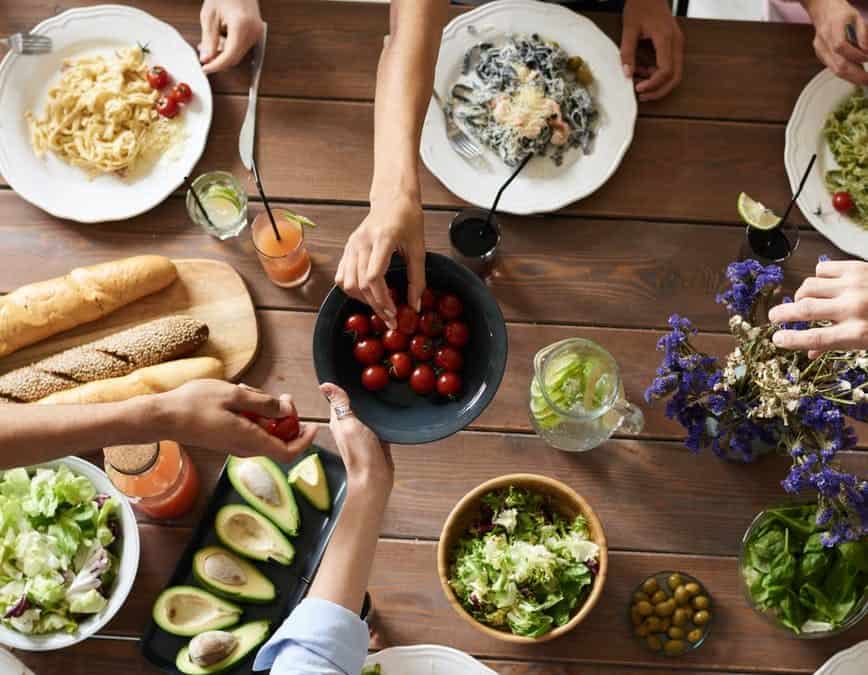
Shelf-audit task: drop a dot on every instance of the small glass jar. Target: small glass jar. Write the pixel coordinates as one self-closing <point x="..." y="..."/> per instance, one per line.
<point x="225" y="200"/>
<point x="475" y="239"/>
<point x="286" y="260"/>
<point x="159" y="479"/>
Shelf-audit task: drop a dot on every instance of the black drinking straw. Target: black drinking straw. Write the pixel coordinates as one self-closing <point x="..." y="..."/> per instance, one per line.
<point x="199" y="202"/>
<point x="264" y="199"/>
<point x="502" y="188"/>
<point x="799" y="191"/>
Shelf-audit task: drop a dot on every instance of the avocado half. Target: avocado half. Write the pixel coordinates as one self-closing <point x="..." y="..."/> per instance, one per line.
<point x="249" y="533"/>
<point x="263" y="485"/>
<point x="309" y="478"/>
<point x="188" y="611"/>
<point x="255" y="586"/>
<point x="250" y="636"/>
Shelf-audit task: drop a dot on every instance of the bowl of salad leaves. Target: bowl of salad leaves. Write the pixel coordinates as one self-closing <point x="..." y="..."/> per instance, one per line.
<point x="523" y="558"/>
<point x="69" y="551"/>
<point x="798" y="582"/>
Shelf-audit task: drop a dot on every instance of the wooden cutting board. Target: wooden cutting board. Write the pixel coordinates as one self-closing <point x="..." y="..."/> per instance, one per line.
<point x="209" y="290"/>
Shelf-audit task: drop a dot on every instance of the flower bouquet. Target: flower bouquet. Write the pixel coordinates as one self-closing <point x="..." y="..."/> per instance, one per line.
<point x="762" y="398"/>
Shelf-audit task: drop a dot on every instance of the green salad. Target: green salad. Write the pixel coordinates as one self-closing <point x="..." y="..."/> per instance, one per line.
<point x="846" y="131"/>
<point x="522" y="567"/>
<point x="808" y="586"/>
<point x="372" y="670"/>
<point x="56" y="562"/>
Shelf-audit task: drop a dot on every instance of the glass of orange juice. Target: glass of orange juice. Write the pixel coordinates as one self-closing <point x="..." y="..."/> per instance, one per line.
<point x="285" y="261"/>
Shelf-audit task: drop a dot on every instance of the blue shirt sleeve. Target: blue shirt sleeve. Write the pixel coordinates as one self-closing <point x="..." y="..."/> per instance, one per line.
<point x="318" y="637"/>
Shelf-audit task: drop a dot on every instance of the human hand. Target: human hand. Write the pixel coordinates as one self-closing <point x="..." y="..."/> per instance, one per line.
<point x="830" y="19"/>
<point x="652" y="20"/>
<point x="839" y="293"/>
<point x="368" y="461"/>
<point x="242" y="23"/>
<point x="207" y="413"/>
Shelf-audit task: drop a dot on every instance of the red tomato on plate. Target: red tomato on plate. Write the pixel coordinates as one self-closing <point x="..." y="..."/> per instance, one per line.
<point x="375" y="378"/>
<point x="423" y="380"/>
<point x="400" y="365"/>
<point x="449" y="385"/>
<point x="449" y="306"/>
<point x="843" y="202"/>
<point x="422" y="348"/>
<point x="449" y="359"/>
<point x="457" y="334"/>
<point x="157" y="77"/>
<point x="368" y="351"/>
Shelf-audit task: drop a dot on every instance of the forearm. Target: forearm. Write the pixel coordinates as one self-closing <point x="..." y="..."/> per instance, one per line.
<point x="405" y="79"/>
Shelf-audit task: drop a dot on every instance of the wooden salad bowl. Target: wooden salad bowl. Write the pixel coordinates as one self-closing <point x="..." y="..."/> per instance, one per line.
<point x="566" y="501"/>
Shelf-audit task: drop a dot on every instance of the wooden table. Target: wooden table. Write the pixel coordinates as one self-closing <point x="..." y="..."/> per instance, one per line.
<point x="654" y="240"/>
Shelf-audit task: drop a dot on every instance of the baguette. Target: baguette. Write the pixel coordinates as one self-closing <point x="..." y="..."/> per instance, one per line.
<point x="152" y="380"/>
<point x="113" y="356"/>
<point x="37" y="311"/>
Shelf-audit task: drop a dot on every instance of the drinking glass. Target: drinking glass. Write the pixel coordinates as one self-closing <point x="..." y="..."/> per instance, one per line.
<point x="225" y="200"/>
<point x="285" y="261"/>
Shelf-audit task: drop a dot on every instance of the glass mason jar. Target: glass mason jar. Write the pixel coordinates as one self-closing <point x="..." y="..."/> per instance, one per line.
<point x="577" y="397"/>
<point x="225" y="200"/>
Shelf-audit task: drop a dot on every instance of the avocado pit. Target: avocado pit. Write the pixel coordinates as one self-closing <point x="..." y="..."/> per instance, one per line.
<point x="211" y="647"/>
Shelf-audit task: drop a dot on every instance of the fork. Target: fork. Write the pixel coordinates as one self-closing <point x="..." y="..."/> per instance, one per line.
<point x="27" y="43"/>
<point x="460" y="142"/>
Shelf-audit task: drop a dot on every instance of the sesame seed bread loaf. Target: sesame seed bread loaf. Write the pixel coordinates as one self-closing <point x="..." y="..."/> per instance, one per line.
<point x="151" y="380"/>
<point x="113" y="356"/>
<point x="37" y="311"/>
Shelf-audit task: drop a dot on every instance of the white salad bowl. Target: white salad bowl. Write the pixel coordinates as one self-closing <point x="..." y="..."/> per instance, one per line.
<point x="129" y="565"/>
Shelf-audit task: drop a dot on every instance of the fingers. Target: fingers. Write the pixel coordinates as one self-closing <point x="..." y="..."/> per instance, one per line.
<point x="377" y="266"/>
<point x="335" y="395"/>
<point x="629" y="41"/>
<point x="830" y="269"/>
<point x="807" y="309"/>
<point x="814" y="287"/>
<point x="862" y="34"/>
<point x="210" y="33"/>
<point x="233" y="51"/>
<point x="248" y="439"/>
<point x="668" y="73"/>
<point x="304" y="440"/>
<point x="415" y="258"/>
<point x="817" y="340"/>
<point x="247" y="399"/>
<point x="348" y="273"/>
<point x="839" y="65"/>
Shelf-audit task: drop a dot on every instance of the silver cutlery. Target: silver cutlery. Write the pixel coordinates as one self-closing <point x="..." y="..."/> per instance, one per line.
<point x="27" y="43"/>
<point x="460" y="141"/>
<point x="247" y="137"/>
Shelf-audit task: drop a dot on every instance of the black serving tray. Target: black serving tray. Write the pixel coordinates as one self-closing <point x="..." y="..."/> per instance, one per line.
<point x="291" y="581"/>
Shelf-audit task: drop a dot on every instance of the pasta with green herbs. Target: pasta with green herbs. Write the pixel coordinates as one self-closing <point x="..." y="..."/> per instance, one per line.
<point x="846" y="132"/>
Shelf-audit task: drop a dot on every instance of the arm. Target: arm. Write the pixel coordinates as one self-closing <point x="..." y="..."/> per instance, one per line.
<point x="404" y="82"/>
<point x="202" y="413"/>
<point x="652" y="20"/>
<point x="830" y="19"/>
<point x="242" y="23"/>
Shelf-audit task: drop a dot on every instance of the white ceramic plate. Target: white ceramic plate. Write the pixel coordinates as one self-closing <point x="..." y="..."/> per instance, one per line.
<point x="852" y="661"/>
<point x="804" y="138"/>
<point x="129" y="564"/>
<point x="542" y="186"/>
<point x="427" y="660"/>
<point x="66" y="191"/>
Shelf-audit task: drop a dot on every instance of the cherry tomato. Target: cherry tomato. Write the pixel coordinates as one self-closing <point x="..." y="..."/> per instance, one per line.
<point x="286" y="428"/>
<point x="158" y="77"/>
<point x="450" y="306"/>
<point x="449" y="358"/>
<point x="449" y="385"/>
<point x="457" y="333"/>
<point x="375" y="378"/>
<point x="431" y="324"/>
<point x="167" y="107"/>
<point x="429" y="299"/>
<point x="357" y="326"/>
<point x="395" y="341"/>
<point x="368" y="351"/>
<point x="408" y="320"/>
<point x="400" y="365"/>
<point x="252" y="416"/>
<point x="181" y="92"/>
<point x="378" y="326"/>
<point x="423" y="380"/>
<point x="422" y="348"/>
<point x="843" y="202"/>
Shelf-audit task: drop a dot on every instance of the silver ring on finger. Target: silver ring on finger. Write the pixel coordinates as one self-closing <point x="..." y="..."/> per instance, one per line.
<point x="342" y="411"/>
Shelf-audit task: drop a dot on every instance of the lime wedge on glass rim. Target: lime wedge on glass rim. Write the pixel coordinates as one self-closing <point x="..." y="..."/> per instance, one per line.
<point x="756" y="214"/>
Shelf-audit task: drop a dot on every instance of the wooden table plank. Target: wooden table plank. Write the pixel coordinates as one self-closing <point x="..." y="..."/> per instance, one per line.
<point x="330" y="50"/>
<point x="604" y="272"/>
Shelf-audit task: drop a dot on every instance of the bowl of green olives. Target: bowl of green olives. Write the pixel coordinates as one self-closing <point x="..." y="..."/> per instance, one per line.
<point x="671" y="613"/>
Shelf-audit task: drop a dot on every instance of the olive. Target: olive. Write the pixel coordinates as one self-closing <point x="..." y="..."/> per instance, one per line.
<point x="682" y="597"/>
<point x="653" y="642"/>
<point x="665" y="608"/>
<point x="702" y="617"/>
<point x="694" y="636"/>
<point x="674" y="647"/>
<point x="693" y="588"/>
<point x="658" y="597"/>
<point x="701" y="602"/>
<point x="680" y="617"/>
<point x="639" y="596"/>
<point x="665" y="622"/>
<point x="642" y="630"/>
<point x="674" y="581"/>
<point x="676" y="633"/>
<point x="644" y="608"/>
<point x="653" y="624"/>
<point x="650" y="586"/>
<point x="690" y="613"/>
<point x="635" y="617"/>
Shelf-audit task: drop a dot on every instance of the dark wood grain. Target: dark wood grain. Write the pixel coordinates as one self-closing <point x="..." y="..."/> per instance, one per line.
<point x="330" y="50"/>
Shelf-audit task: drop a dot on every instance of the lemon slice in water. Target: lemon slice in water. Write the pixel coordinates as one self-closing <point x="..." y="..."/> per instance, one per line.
<point x="756" y="214"/>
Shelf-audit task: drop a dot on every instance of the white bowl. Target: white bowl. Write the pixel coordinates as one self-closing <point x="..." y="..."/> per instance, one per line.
<point x="427" y="660"/>
<point x="129" y="564"/>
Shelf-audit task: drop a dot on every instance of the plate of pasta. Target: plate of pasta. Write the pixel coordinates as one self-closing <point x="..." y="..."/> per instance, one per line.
<point x="108" y="124"/>
<point x="524" y="77"/>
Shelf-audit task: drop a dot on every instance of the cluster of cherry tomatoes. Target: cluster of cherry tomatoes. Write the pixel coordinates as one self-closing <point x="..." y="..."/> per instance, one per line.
<point x="424" y="349"/>
<point x="171" y="100"/>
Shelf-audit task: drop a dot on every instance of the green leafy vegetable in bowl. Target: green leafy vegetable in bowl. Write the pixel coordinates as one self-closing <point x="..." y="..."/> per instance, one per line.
<point x="372" y="670"/>
<point x="56" y="559"/>
<point x="808" y="587"/>
<point x="523" y="568"/>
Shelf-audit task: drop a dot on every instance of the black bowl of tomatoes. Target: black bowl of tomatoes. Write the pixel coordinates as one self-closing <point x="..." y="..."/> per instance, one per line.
<point x="435" y="373"/>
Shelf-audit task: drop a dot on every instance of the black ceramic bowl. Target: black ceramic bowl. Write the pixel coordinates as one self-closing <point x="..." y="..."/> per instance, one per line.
<point x="396" y="414"/>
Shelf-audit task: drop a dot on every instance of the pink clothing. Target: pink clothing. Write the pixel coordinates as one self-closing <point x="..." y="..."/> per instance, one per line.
<point x="791" y="11"/>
